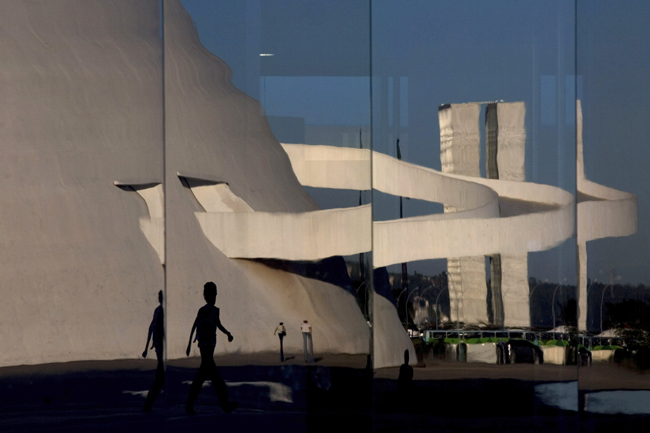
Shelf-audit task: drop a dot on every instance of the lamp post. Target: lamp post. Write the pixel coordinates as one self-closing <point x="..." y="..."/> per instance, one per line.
<point x="438" y="305"/>
<point x="422" y="295"/>
<point x="530" y="295"/>
<point x="400" y="297"/>
<point x="406" y="306"/>
<point x="602" y="298"/>
<point x="553" y="302"/>
<point x="589" y="287"/>
<point x="363" y="284"/>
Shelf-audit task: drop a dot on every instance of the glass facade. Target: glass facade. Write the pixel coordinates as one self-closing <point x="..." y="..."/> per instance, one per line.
<point x="378" y="215"/>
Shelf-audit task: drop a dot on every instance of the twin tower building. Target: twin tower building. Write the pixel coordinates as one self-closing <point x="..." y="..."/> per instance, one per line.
<point x="460" y="153"/>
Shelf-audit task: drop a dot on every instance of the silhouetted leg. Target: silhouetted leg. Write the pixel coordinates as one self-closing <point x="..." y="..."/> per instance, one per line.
<point x="304" y="346"/>
<point x="219" y="386"/>
<point x="281" y="349"/>
<point x="207" y="360"/>
<point x="311" y="348"/>
<point x="158" y="383"/>
<point x="197" y="383"/>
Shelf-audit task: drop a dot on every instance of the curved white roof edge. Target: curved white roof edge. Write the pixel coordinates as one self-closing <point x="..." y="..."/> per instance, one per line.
<point x="476" y="230"/>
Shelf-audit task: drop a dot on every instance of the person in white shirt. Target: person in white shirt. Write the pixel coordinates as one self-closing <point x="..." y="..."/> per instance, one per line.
<point x="307" y="341"/>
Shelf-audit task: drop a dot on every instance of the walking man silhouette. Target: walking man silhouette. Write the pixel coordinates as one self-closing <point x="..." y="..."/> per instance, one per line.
<point x="206" y="324"/>
<point x="157" y="331"/>
<point x="282" y="332"/>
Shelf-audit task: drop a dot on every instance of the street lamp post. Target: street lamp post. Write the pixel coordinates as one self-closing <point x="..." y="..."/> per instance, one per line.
<point x="553" y="303"/>
<point x="602" y="298"/>
<point x="437" y="305"/>
<point x="530" y="296"/>
<point x="363" y="284"/>
<point x="589" y="287"/>
<point x="400" y="297"/>
<point x="422" y="295"/>
<point x="406" y="306"/>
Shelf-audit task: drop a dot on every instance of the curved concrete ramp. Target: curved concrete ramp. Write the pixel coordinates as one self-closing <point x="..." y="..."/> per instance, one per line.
<point x="290" y="236"/>
<point x="475" y="229"/>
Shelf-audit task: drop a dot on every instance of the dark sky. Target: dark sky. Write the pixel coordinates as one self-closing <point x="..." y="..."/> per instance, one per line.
<point x="426" y="53"/>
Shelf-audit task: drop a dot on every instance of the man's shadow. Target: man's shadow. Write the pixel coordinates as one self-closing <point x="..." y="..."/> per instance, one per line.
<point x="156" y="335"/>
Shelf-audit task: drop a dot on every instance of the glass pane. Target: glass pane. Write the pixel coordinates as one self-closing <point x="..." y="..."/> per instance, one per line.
<point x="81" y="138"/>
<point x="612" y="66"/>
<point x="474" y="177"/>
<point x="268" y="178"/>
<point x="417" y="212"/>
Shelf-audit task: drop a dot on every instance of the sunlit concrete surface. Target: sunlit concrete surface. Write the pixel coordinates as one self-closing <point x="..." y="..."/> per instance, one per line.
<point x="320" y="167"/>
<point x="538" y="217"/>
<point x="153" y="225"/>
<point x="215" y="132"/>
<point x="484" y="352"/>
<point x="476" y="229"/>
<point x="555" y="355"/>
<point x="389" y="338"/>
<point x="214" y="196"/>
<point x="82" y="107"/>
<point x="460" y="154"/>
<point x="292" y="236"/>
<point x="81" y="260"/>
<point x="505" y="159"/>
<point x="602" y="355"/>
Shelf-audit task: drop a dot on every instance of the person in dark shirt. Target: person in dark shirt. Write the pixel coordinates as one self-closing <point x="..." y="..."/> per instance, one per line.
<point x="282" y="332"/>
<point x="157" y="331"/>
<point x="206" y="324"/>
<point x="405" y="383"/>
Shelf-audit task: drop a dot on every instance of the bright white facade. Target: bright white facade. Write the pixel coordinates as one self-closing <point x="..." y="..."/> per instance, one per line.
<point x="82" y="259"/>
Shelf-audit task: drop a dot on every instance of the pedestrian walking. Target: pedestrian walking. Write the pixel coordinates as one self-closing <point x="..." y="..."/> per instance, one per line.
<point x="206" y="324"/>
<point x="307" y="341"/>
<point x="156" y="335"/>
<point x="282" y="332"/>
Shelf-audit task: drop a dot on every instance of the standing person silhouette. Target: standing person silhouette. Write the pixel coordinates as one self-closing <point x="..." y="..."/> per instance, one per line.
<point x="282" y="332"/>
<point x="206" y="324"/>
<point x="157" y="331"/>
<point x="308" y="346"/>
<point x="405" y="381"/>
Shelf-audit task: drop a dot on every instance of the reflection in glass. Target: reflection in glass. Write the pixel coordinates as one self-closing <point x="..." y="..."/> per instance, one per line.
<point x="261" y="136"/>
<point x="611" y="164"/>
<point x="82" y="261"/>
<point x="239" y="137"/>
<point x="478" y="204"/>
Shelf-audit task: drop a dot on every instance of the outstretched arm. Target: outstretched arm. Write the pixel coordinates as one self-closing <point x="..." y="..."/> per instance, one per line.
<point x="224" y="330"/>
<point x="189" y="343"/>
<point x="151" y="328"/>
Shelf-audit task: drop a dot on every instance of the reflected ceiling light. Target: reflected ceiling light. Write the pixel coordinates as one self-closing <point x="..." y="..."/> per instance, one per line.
<point x="266" y="55"/>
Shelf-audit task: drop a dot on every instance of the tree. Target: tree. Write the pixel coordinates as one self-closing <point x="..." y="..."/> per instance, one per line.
<point x="631" y="318"/>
